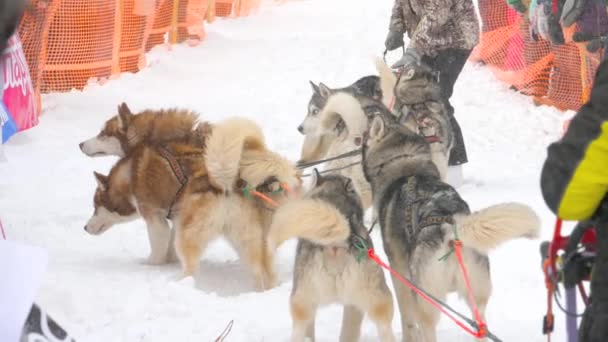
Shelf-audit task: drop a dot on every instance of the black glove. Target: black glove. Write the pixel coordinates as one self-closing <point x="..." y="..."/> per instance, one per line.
<point x="394" y="40"/>
<point x="410" y="58"/>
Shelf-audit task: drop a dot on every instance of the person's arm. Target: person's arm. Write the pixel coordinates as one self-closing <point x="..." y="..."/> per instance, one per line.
<point x="397" y="23"/>
<point x="574" y="178"/>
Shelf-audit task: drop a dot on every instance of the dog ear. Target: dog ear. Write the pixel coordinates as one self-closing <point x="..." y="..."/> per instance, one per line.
<point x="377" y="92"/>
<point x="324" y="90"/>
<point x="102" y="181"/>
<point x="124" y="115"/>
<point x="315" y="88"/>
<point x="350" y="186"/>
<point x="316" y="177"/>
<point x="408" y="74"/>
<point x="377" y="127"/>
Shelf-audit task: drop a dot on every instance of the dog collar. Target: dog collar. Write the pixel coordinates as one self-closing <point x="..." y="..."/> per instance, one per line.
<point x="432" y="139"/>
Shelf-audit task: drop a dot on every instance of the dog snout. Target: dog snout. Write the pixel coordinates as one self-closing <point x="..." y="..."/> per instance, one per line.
<point x="301" y="129"/>
<point x="85" y="228"/>
<point x="81" y="145"/>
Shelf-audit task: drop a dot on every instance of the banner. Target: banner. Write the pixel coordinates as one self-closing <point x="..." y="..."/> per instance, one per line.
<point x="18" y="110"/>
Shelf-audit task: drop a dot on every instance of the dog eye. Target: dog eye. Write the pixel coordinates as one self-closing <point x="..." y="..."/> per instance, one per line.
<point x="315" y="111"/>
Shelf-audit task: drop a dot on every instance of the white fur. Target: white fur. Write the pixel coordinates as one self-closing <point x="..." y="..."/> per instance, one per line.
<point x="103" y="219"/>
<point x="225" y="146"/>
<point x="311" y="121"/>
<point x="308" y="219"/>
<point x="388" y="80"/>
<point x="102" y="146"/>
<point x="486" y="229"/>
<point x="345" y="106"/>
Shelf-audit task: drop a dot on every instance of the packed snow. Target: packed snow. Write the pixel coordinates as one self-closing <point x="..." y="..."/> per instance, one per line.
<point x="258" y="67"/>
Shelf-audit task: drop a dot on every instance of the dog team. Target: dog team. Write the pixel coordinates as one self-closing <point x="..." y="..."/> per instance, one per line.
<point x="386" y="140"/>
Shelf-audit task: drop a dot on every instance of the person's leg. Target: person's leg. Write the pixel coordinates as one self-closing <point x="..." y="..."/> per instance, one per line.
<point x="450" y="63"/>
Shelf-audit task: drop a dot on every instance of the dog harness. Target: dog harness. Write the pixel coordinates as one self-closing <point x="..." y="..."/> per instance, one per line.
<point x="413" y="109"/>
<point x="412" y="206"/>
<point x="177" y="171"/>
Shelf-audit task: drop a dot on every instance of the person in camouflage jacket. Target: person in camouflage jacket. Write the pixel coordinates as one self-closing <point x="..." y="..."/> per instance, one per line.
<point x="442" y="35"/>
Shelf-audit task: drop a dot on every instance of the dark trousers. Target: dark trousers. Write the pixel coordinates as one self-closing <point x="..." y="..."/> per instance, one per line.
<point x="594" y="326"/>
<point x="449" y="63"/>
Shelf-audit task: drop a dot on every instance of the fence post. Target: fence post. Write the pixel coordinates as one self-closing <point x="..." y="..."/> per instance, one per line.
<point x="174" y="23"/>
<point x="117" y="37"/>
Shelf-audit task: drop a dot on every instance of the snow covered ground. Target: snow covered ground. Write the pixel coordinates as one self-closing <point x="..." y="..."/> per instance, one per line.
<point x="257" y="67"/>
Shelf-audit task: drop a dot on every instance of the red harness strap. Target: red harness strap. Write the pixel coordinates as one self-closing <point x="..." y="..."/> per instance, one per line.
<point x="432" y="139"/>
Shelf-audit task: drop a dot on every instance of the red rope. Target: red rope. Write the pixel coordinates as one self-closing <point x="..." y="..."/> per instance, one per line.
<point x="482" y="332"/>
<point x="2" y="231"/>
<point x="265" y="198"/>
<point x="480" y="323"/>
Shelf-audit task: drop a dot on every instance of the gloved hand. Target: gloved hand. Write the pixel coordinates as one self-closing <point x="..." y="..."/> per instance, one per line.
<point x="410" y="58"/>
<point x="517" y="5"/>
<point x="394" y="40"/>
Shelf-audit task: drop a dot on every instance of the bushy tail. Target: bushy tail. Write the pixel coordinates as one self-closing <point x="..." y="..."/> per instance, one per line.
<point x="343" y="106"/>
<point x="388" y="80"/>
<point x="309" y="219"/>
<point x="225" y="146"/>
<point x="486" y="229"/>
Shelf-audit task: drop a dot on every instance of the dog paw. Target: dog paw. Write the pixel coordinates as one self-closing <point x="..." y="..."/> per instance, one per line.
<point x="188" y="281"/>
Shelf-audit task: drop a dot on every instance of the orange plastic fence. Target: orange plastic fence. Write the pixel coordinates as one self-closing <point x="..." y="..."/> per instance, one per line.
<point x="557" y="75"/>
<point x="68" y="42"/>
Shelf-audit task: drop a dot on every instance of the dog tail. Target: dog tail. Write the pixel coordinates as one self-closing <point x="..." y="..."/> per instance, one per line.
<point x="388" y="80"/>
<point x="310" y="219"/>
<point x="343" y="106"/>
<point x="226" y="143"/>
<point x="486" y="229"/>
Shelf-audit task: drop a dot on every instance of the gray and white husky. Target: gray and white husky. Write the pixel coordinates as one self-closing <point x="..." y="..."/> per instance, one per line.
<point x="420" y="217"/>
<point x="367" y="86"/>
<point x="346" y="117"/>
<point x="328" y="220"/>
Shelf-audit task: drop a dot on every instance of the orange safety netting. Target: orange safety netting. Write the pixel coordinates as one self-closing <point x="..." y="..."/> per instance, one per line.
<point x="557" y="75"/>
<point x="69" y="42"/>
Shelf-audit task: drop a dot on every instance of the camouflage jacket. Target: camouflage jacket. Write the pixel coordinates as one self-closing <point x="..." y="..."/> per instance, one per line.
<point x="435" y="25"/>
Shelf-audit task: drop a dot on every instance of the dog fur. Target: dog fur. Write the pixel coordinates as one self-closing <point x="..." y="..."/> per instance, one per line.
<point x="144" y="183"/>
<point x="327" y="220"/>
<point x="205" y="215"/>
<point x="368" y="86"/>
<point x="346" y="117"/>
<point x="419" y="215"/>
<point x="121" y="133"/>
<point x="420" y="106"/>
<point x="342" y="124"/>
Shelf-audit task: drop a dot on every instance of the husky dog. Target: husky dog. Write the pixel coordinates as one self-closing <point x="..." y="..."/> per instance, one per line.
<point x="328" y="220"/>
<point x="420" y="105"/>
<point x="124" y="131"/>
<point x="343" y="122"/>
<point x="202" y="190"/>
<point x="237" y="163"/>
<point x="420" y="215"/>
<point x="317" y="144"/>
<point x="367" y="86"/>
